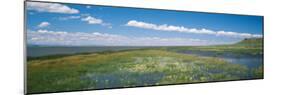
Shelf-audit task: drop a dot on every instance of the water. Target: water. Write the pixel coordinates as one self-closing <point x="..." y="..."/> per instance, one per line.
<point x="129" y="79"/>
<point x="251" y="61"/>
<point x="44" y="51"/>
<point x="122" y="79"/>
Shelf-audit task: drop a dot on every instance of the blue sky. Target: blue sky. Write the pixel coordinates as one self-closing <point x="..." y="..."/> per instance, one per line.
<point x="80" y="25"/>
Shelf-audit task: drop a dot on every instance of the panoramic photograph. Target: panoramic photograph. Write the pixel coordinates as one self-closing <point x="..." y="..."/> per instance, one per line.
<point x="72" y="47"/>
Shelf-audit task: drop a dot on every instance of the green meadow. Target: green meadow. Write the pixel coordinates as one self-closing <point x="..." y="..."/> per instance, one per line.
<point x="139" y="67"/>
<point x="247" y="46"/>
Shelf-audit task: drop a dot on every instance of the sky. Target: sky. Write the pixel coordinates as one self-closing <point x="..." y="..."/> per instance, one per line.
<point x="59" y="24"/>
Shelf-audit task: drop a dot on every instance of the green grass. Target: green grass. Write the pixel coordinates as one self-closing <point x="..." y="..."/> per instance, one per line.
<point x="252" y="46"/>
<point x="251" y="42"/>
<point x="126" y="69"/>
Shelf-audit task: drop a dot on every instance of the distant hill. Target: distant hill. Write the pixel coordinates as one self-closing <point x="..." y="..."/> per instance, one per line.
<point x="251" y="42"/>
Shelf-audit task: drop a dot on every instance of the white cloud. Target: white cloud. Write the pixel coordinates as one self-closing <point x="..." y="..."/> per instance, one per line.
<point x="46" y="37"/>
<point x="88" y="7"/>
<point x="87" y="18"/>
<point x="165" y="27"/>
<point x="92" y="20"/>
<point x="51" y="7"/>
<point x="69" y="17"/>
<point x="235" y="34"/>
<point x="44" y="24"/>
<point x="51" y="32"/>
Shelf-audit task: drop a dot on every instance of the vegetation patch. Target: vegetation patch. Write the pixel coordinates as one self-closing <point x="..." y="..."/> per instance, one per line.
<point x="127" y="69"/>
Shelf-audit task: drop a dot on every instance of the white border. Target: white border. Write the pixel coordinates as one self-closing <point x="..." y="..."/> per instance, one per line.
<point x="11" y="69"/>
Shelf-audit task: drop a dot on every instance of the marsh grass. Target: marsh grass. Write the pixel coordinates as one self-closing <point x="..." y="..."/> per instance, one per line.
<point x="126" y="69"/>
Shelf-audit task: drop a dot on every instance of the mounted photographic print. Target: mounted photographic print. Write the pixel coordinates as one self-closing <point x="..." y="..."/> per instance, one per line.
<point x="76" y="47"/>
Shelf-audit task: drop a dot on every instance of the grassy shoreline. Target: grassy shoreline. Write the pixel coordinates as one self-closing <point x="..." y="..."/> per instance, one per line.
<point x="247" y="46"/>
<point x="127" y="68"/>
<point x="137" y="67"/>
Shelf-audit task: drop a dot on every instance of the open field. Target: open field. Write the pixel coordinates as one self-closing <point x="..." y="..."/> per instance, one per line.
<point x="247" y="46"/>
<point x="138" y="67"/>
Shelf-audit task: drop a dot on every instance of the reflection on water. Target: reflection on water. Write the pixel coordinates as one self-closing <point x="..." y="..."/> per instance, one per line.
<point x="111" y="80"/>
<point x="123" y="79"/>
<point x="251" y="61"/>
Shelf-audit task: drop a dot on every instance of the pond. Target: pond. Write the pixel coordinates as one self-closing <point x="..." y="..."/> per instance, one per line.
<point x="121" y="79"/>
<point x="251" y="61"/>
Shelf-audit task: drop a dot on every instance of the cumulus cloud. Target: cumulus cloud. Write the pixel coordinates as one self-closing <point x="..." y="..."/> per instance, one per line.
<point x="165" y="27"/>
<point x="51" y="7"/>
<point x="44" y="24"/>
<point x="92" y="20"/>
<point x="69" y="17"/>
<point x="46" y="37"/>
